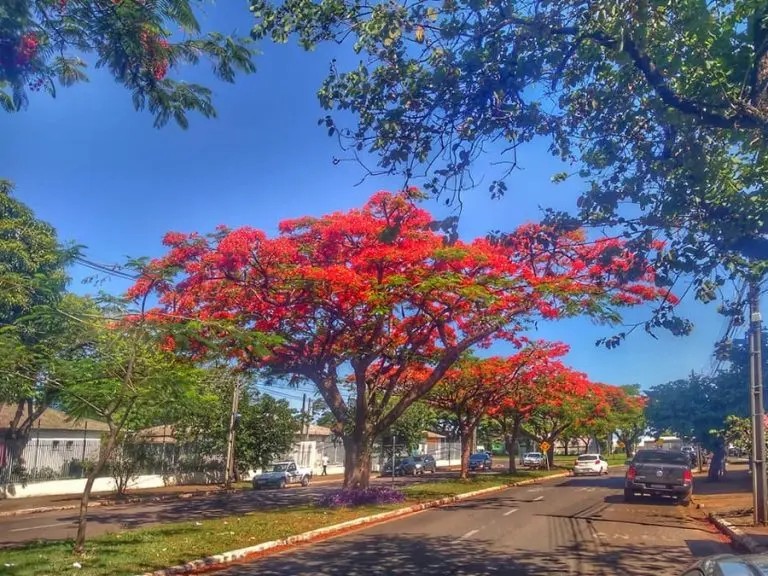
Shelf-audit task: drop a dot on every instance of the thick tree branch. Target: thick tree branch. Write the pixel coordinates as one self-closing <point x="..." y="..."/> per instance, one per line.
<point x="746" y="115"/>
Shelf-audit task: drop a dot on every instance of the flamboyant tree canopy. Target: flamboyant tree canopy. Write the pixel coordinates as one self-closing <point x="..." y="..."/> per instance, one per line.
<point x="566" y="399"/>
<point x="45" y="43"/>
<point x="475" y="387"/>
<point x="373" y="291"/>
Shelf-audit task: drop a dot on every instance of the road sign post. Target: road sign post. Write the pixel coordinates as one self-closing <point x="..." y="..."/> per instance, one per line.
<point x="545" y="451"/>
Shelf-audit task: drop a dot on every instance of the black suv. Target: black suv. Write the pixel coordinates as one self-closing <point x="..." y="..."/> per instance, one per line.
<point x="480" y="461"/>
<point x="411" y="465"/>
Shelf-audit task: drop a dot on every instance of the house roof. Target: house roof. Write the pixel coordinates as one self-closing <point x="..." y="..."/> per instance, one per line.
<point x="317" y="430"/>
<point x="432" y="435"/>
<point x="163" y="434"/>
<point x="50" y="419"/>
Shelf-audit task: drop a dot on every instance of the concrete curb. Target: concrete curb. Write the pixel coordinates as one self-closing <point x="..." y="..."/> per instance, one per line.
<point x="219" y="561"/>
<point x="736" y="534"/>
<point x="107" y="503"/>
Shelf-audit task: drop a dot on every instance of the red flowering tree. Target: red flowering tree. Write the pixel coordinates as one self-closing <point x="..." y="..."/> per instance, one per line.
<point x="567" y="400"/>
<point x="373" y="291"/>
<point x="526" y="393"/>
<point x="474" y="388"/>
<point x="45" y="44"/>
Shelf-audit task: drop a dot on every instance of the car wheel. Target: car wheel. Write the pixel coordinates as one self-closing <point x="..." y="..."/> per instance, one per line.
<point x="281" y="484"/>
<point x="305" y="481"/>
<point x="629" y="496"/>
<point x="684" y="501"/>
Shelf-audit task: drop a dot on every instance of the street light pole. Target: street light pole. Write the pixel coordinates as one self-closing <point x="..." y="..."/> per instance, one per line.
<point x="756" y="401"/>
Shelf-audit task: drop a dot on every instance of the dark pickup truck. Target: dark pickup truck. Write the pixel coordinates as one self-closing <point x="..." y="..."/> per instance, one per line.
<point x="659" y="473"/>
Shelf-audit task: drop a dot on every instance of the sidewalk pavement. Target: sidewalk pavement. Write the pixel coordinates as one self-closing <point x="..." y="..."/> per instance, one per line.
<point x="17" y="506"/>
<point x="728" y="503"/>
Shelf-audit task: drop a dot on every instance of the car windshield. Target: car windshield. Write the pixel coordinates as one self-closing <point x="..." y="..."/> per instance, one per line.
<point x="281" y="467"/>
<point x="478" y="457"/>
<point x="417" y="458"/>
<point x="662" y="457"/>
<point x="587" y="457"/>
<point x="533" y="455"/>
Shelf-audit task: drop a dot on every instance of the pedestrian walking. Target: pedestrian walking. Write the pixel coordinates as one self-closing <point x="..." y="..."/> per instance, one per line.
<point x="325" y="466"/>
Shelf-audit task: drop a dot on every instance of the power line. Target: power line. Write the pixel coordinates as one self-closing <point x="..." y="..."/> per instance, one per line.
<point x="111" y="269"/>
<point x="730" y="330"/>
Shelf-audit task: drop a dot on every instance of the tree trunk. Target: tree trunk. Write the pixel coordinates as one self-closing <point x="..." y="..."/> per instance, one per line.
<point x="566" y="442"/>
<point x="465" y="435"/>
<point x="628" y="449"/>
<point x="510" y="446"/>
<point x="510" y="440"/>
<point x="357" y="461"/>
<point x="551" y="454"/>
<point x="12" y="458"/>
<point x="83" y="518"/>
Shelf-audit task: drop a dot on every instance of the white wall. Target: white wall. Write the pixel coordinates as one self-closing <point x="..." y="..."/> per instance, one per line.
<point x="62" y="487"/>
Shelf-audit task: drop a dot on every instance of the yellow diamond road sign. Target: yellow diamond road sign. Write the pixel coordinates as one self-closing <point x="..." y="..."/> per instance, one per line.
<point x="544" y="446"/>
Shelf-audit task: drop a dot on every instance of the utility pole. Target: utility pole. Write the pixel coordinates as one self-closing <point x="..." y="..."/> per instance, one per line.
<point x="756" y="401"/>
<point x="309" y="418"/>
<point x="229" y="474"/>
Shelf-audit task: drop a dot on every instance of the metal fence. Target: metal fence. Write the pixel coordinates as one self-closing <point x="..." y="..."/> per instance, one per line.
<point x="45" y="460"/>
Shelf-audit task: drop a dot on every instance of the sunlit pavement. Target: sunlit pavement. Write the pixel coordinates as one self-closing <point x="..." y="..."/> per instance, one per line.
<point x="567" y="526"/>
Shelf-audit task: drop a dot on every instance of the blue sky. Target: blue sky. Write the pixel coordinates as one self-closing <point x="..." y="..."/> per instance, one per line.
<point x="105" y="178"/>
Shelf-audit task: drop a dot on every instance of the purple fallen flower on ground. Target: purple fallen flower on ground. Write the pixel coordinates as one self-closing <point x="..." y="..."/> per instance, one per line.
<point x="367" y="496"/>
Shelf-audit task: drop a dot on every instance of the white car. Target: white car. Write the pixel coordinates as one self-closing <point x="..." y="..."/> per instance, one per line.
<point x="590" y="464"/>
<point x="282" y="474"/>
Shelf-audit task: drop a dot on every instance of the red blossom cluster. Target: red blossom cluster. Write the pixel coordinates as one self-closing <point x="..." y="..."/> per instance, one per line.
<point x="16" y="56"/>
<point x="27" y="49"/>
<point x="156" y="49"/>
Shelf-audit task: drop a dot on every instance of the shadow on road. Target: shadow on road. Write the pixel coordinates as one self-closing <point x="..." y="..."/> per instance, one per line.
<point x="425" y="556"/>
<point x="611" y="482"/>
<point x="642" y="500"/>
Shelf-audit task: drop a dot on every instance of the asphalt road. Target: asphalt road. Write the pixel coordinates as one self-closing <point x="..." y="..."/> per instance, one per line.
<point x="577" y="526"/>
<point x="62" y="524"/>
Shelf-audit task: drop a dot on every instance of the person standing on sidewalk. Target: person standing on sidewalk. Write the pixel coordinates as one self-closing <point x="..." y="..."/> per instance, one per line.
<point x="325" y="466"/>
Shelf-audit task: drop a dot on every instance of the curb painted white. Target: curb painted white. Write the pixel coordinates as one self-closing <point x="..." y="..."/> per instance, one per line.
<point x="736" y="534"/>
<point x="218" y="561"/>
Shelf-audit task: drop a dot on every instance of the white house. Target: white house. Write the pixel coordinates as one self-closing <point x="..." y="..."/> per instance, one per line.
<point x="57" y="447"/>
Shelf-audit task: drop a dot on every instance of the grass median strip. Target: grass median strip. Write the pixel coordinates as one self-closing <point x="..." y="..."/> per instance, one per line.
<point x="137" y="551"/>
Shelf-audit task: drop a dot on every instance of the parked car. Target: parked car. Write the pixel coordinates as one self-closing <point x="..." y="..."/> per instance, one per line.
<point x="590" y="464"/>
<point x="411" y="465"/>
<point x="748" y="564"/>
<point x="659" y="473"/>
<point x="533" y="460"/>
<point x="480" y="461"/>
<point x="282" y="474"/>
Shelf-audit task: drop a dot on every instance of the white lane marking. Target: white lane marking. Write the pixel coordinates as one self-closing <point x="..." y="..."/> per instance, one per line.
<point x="508" y="512"/>
<point x="467" y="535"/>
<point x="535" y="490"/>
<point x="538" y="499"/>
<point x="41" y="527"/>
